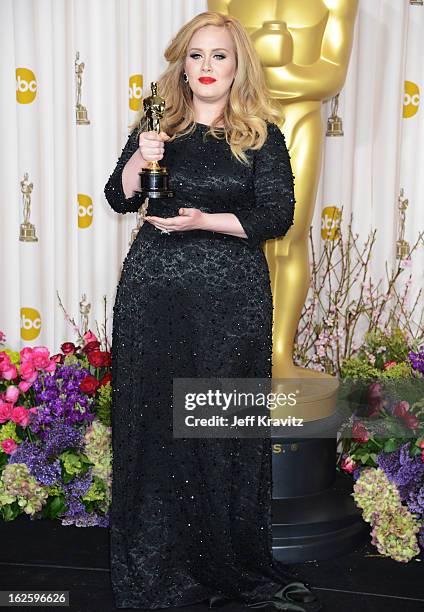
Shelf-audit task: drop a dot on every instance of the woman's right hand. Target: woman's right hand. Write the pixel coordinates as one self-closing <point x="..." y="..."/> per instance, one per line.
<point x="151" y="145"/>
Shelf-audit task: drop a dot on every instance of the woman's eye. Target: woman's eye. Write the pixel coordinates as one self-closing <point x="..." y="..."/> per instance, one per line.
<point x="219" y="55"/>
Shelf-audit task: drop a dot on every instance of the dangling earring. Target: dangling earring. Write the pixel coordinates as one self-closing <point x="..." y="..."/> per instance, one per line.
<point x="185" y="77"/>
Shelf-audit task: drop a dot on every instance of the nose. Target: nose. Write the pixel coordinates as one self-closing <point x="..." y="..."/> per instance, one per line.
<point x="205" y="66"/>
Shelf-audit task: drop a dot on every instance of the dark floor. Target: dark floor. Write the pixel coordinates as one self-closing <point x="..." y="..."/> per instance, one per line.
<point x="43" y="555"/>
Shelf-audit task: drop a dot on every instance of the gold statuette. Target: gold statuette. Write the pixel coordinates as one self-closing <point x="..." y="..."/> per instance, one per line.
<point x="80" y="110"/>
<point x="141" y="213"/>
<point x="334" y="122"/>
<point x="27" y="229"/>
<point x="85" y="308"/>
<point x="154" y="178"/>
<point x="402" y="246"/>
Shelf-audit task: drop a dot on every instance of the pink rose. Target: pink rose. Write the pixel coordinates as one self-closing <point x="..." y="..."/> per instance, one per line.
<point x="421" y="444"/>
<point x="374" y="390"/>
<point x="4" y="360"/>
<point x="348" y="465"/>
<point x="89" y="337"/>
<point x="28" y="372"/>
<point x="401" y="409"/>
<point x="24" y="385"/>
<point x="9" y="445"/>
<point x="51" y="366"/>
<point x="411" y="421"/>
<point x="40" y="357"/>
<point x="10" y="372"/>
<point x="26" y="354"/>
<point x="20" y="416"/>
<point x="359" y="432"/>
<point x="6" y="410"/>
<point x="375" y="399"/>
<point x="12" y="394"/>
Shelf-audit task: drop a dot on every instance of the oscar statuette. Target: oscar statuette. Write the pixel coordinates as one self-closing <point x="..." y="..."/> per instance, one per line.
<point x="27" y="229"/>
<point x="154" y="178"/>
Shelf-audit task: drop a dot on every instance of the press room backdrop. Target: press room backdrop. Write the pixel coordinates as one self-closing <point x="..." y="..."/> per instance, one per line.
<point x="81" y="242"/>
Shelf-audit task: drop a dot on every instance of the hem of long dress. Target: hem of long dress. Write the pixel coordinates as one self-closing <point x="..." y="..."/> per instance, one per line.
<point x="138" y="601"/>
<point x="262" y="592"/>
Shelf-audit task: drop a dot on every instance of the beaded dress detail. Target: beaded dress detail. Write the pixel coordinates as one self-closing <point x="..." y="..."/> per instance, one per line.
<point x="192" y="517"/>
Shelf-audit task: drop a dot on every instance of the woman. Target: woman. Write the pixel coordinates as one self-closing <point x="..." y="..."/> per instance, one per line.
<point x="191" y="517"/>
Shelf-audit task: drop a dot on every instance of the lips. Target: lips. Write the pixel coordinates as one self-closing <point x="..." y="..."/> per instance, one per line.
<point x="207" y="80"/>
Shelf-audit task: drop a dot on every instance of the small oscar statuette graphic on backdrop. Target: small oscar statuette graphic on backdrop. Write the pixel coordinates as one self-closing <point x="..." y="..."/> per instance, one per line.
<point x="334" y="122"/>
<point x="139" y="220"/>
<point x="402" y="246"/>
<point x="154" y="178"/>
<point x="27" y="229"/>
<point x="85" y="308"/>
<point x="80" y="110"/>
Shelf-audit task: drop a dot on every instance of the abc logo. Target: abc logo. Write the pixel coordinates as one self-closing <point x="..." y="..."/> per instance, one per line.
<point x="30" y="323"/>
<point x="26" y="86"/>
<point x="330" y="223"/>
<point x="135" y="92"/>
<point x="411" y="99"/>
<point x="85" y="210"/>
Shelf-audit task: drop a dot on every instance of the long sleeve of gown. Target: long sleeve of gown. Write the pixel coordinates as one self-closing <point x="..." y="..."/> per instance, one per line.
<point x="114" y="191"/>
<point x="273" y="213"/>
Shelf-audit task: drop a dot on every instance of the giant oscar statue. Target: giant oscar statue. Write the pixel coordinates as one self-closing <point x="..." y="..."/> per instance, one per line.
<point x="304" y="47"/>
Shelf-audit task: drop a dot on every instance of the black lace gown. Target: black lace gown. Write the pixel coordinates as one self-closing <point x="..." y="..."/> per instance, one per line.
<point x="192" y="517"/>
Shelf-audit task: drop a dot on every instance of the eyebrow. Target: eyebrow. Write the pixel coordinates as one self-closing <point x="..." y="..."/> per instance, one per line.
<point x="218" y="49"/>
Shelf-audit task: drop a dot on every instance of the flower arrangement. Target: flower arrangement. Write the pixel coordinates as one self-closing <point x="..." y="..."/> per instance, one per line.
<point x="346" y="309"/>
<point x="394" y="528"/>
<point x="382" y="447"/>
<point x="366" y="334"/>
<point x="55" y="433"/>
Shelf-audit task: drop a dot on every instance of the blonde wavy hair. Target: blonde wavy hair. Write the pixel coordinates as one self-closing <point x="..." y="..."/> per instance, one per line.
<point x="249" y="104"/>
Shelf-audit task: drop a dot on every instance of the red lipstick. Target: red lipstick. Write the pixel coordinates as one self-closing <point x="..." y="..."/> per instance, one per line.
<point x="207" y="80"/>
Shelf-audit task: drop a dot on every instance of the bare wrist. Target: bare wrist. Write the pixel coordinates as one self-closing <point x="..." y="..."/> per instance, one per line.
<point x="204" y="220"/>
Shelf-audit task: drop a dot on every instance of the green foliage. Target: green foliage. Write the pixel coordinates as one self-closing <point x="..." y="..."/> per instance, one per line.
<point x="10" y="511"/>
<point x="80" y="360"/>
<point x="73" y="463"/>
<point x="359" y="368"/>
<point x="70" y="360"/>
<point x="96" y="497"/>
<point x="55" y="506"/>
<point x="8" y="430"/>
<point x="103" y="406"/>
<point x="387" y="345"/>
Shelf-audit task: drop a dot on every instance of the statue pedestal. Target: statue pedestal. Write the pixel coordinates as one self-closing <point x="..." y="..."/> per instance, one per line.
<point x="314" y="515"/>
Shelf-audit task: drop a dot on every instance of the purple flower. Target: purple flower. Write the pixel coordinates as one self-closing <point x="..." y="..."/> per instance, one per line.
<point x="76" y="512"/>
<point x="357" y="472"/>
<point x="421" y="536"/>
<point x="59" y="398"/>
<point x="62" y="437"/>
<point x="417" y="360"/>
<point x="47" y="473"/>
<point x="407" y="473"/>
